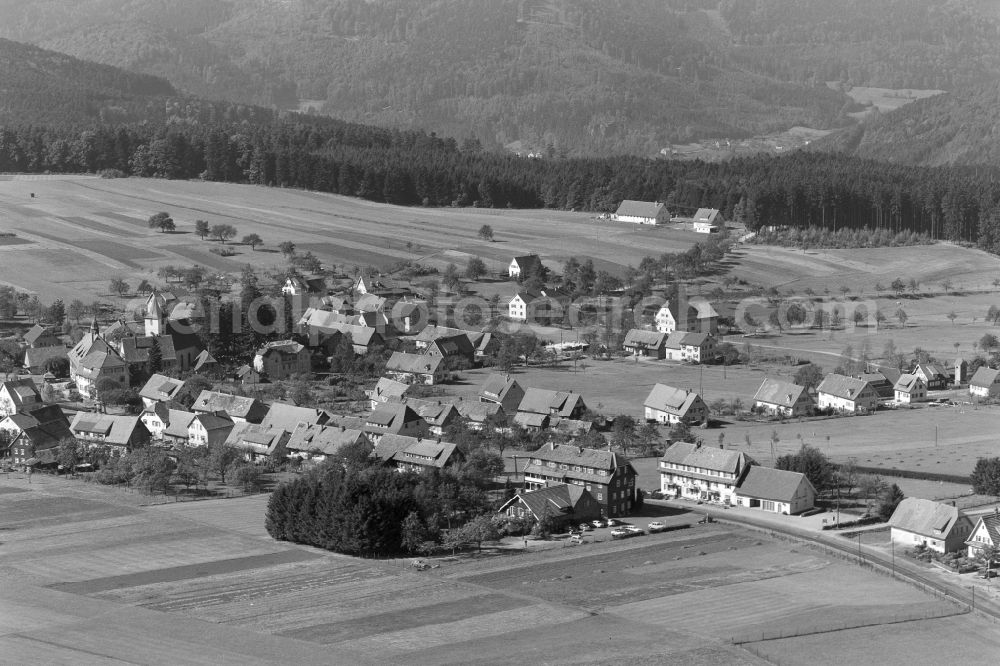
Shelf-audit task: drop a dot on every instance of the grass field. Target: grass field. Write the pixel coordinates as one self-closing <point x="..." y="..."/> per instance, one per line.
<point x="99" y="577"/>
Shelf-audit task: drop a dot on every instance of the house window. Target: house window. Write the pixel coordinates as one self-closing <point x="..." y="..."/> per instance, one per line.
<point x="600" y="496"/>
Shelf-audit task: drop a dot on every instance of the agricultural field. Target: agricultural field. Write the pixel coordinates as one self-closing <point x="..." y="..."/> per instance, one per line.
<point x="98" y="574"/>
<point x="83" y="230"/>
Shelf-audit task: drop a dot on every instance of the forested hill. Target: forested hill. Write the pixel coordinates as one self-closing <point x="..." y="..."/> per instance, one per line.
<point x="43" y="86"/>
<point x="956" y="128"/>
<point x="571" y="76"/>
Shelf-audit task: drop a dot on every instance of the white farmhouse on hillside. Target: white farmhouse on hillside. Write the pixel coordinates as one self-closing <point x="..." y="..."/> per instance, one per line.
<point x="985" y="383"/>
<point x="779" y="398"/>
<point x="525" y="265"/>
<point x="666" y="404"/>
<point x="909" y="388"/>
<point x="642" y="212"/>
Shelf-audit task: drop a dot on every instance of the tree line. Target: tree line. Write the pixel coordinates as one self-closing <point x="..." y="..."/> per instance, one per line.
<point x="826" y="191"/>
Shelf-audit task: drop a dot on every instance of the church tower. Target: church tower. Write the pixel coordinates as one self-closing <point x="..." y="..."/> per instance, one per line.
<point x="156" y="316"/>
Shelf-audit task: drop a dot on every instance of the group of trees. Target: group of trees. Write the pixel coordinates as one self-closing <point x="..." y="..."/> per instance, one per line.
<point x="357" y="507"/>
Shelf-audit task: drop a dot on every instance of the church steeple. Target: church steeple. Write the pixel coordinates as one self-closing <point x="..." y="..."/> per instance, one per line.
<point x="155" y="318"/>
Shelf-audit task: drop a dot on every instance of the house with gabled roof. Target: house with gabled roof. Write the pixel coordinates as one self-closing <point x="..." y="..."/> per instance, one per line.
<point x="693" y="315"/>
<point x="565" y="504"/>
<point x="844" y="394"/>
<point x="287" y="416"/>
<point x="477" y="414"/>
<point x="29" y="433"/>
<point x="237" y="407"/>
<point x="416" y="368"/>
<point x="19" y="395"/>
<point x="387" y="390"/>
<point x="438" y="415"/>
<point x="524" y="265"/>
<point x="413" y="454"/>
<point x="120" y="432"/>
<point x="775" y="490"/>
<point x="42" y="336"/>
<point x="933" y="376"/>
<point x="563" y="404"/>
<point x="160" y="388"/>
<point x="706" y="221"/>
<point x="204" y="429"/>
<point x="881" y="383"/>
<point x="519" y="308"/>
<point x="281" y="359"/>
<point x="257" y="441"/>
<point x="693" y="471"/>
<point x="608" y="476"/>
<point x="502" y="389"/>
<point x="985" y="535"/>
<point x="35" y="358"/>
<point x="985" y="382"/>
<point x="908" y="389"/>
<point x="453" y="347"/>
<point x="296" y="285"/>
<point x="394" y="419"/>
<point x="316" y="442"/>
<point x="778" y="398"/>
<point x="642" y="212"/>
<point x="650" y="344"/>
<point x="692" y="347"/>
<point x="669" y="405"/>
<point x="940" y="527"/>
<point x="370" y="303"/>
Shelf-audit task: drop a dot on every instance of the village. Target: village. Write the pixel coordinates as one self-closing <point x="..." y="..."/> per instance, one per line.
<point x="560" y="466"/>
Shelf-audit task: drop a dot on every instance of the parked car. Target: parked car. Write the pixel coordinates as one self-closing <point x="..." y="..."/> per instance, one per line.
<point x="586" y="527"/>
<point x="599" y="523"/>
<point x="614" y="522"/>
<point x="627" y="532"/>
<point x="634" y="530"/>
<point x="656" y="526"/>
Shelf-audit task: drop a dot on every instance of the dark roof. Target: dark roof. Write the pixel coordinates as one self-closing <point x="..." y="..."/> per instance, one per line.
<point x="497" y="386"/>
<point x="37" y="331"/>
<point x="556" y="500"/>
<point x="578" y="455"/>
<point x="639" y="338"/>
<point x="908" y="383"/>
<point x="37" y="356"/>
<point x="326" y="439"/>
<point x="527" y="262"/>
<point x="771" y="484"/>
<point x="116" y="430"/>
<point x="630" y="208"/>
<point x="414" y="451"/>
<point x="283" y="347"/>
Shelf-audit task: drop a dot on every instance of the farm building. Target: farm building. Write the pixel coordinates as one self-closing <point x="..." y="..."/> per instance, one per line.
<point x="938" y="527"/>
<point x="775" y="490"/>
<point x="779" y="398"/>
<point x="36" y="358"/>
<point x="394" y="419"/>
<point x="609" y="477"/>
<point x="985" y="382"/>
<point x="883" y="383"/>
<point x="237" y="407"/>
<point x="690" y="347"/>
<point x="416" y="368"/>
<point x="985" y="535"/>
<point x="387" y="390"/>
<point x="909" y="388"/>
<point x="666" y="404"/>
<point x="311" y="284"/>
<point x="932" y="375"/>
<point x="160" y="388"/>
<point x="552" y="403"/>
<point x="477" y="414"/>
<point x="286" y="416"/>
<point x="846" y="395"/>
<point x="651" y="344"/>
<point x="642" y="212"/>
<point x="42" y="336"/>
<point x="122" y="433"/>
<point x="524" y="266"/>
<point x="316" y="442"/>
<point x="706" y="221"/>
<point x="413" y="454"/>
<point x="519" y="308"/>
<point x="29" y="433"/>
<point x="699" y="472"/>
<point x="453" y="347"/>
<point x="257" y="441"/>
<point x="437" y="414"/>
<point x="18" y="396"/>
<point x="563" y="503"/>
<point x="697" y="315"/>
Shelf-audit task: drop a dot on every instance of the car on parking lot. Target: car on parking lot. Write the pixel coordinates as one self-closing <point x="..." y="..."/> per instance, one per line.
<point x="586" y="527"/>
<point x="599" y="523"/>
<point x="614" y="522"/>
<point x="634" y="529"/>
<point x="656" y="526"/>
<point x="627" y="532"/>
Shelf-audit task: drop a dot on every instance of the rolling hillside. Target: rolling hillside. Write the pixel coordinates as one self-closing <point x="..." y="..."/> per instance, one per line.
<point x="40" y="86"/>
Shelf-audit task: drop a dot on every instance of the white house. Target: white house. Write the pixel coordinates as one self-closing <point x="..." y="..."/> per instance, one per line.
<point x="519" y="307"/>
<point x="909" y="388"/>
<point x="694" y="315"/>
<point x="525" y="265"/>
<point x="985" y="383"/>
<point x="920" y="522"/>
<point x="775" y="490"/>
<point x="642" y="212"/>
<point x="705" y="221"/>
<point x="18" y="396"/>
<point x="846" y="394"/>
<point x="666" y="404"/>
<point x="985" y="534"/>
<point x="779" y="398"/>
<point x="693" y="471"/>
